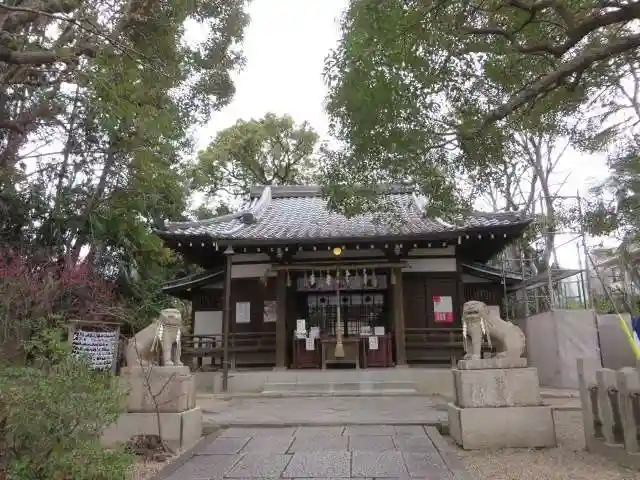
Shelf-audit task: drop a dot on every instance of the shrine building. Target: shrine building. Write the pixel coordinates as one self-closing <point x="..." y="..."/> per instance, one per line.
<point x="309" y="288"/>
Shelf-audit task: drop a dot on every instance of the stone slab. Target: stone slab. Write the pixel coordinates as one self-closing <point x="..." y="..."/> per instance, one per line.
<point x="378" y="464"/>
<point x="258" y="432"/>
<point x="201" y="467"/>
<point x="420" y="444"/>
<point x="427" y="465"/>
<point x="277" y="444"/>
<point x="369" y="430"/>
<point x="259" y="465"/>
<point x="483" y="363"/>
<point x="371" y="443"/>
<point x="318" y="443"/>
<point x="169" y="389"/>
<point x="315" y="431"/>
<point x="179" y="430"/>
<point x="497" y="387"/>
<point x="506" y="427"/>
<point x="410" y="430"/>
<point x="319" y="465"/>
<point x="224" y="446"/>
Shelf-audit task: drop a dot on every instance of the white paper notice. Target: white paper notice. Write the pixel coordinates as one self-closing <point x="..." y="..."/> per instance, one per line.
<point x="301" y="325"/>
<point x="373" y="343"/>
<point x="365" y="330"/>
<point x="378" y="331"/>
<point x="243" y="312"/>
<point x="314" y="332"/>
<point x="310" y="344"/>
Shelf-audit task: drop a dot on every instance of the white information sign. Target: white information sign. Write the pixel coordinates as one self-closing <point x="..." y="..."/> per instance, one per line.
<point x="301" y="325"/>
<point x="243" y="312"/>
<point x="99" y="347"/>
<point x="378" y="331"/>
<point x="314" y="332"/>
<point x="373" y="343"/>
<point x="310" y="344"/>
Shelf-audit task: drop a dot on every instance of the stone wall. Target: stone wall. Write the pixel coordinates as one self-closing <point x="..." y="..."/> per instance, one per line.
<point x="611" y="411"/>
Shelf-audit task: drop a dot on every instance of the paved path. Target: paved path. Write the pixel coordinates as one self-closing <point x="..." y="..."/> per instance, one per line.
<point x="311" y="452"/>
<point x="292" y="411"/>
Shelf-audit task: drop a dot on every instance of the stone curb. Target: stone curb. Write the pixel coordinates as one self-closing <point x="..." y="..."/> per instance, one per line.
<point x="431" y="423"/>
<point x="359" y="393"/>
<point x="184" y="457"/>
<point x="448" y="454"/>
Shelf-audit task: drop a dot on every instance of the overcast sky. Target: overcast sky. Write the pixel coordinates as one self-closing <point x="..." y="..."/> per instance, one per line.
<point x="286" y="45"/>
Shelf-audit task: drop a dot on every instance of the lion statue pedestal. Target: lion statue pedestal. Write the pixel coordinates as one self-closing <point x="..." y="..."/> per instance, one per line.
<point x="167" y="390"/>
<point x="497" y="399"/>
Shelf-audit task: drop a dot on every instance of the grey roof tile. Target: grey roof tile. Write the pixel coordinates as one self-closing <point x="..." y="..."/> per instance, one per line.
<point x="301" y="213"/>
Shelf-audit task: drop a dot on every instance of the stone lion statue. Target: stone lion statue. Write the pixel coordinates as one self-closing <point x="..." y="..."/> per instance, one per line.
<point x="479" y="321"/>
<point x="161" y="334"/>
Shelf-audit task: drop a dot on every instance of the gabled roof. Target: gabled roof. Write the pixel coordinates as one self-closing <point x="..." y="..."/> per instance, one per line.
<point x="299" y="213"/>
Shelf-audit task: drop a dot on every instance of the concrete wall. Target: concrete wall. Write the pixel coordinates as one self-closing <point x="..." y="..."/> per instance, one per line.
<point x="555" y="340"/>
<point x="616" y="351"/>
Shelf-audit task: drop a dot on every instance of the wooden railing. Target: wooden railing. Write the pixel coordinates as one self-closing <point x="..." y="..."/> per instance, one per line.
<point x="611" y="410"/>
<point x="250" y="349"/>
<point x="439" y="346"/>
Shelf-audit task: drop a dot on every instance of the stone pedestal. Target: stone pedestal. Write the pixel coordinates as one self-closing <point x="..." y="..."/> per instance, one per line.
<point x="160" y="401"/>
<point x="499" y="407"/>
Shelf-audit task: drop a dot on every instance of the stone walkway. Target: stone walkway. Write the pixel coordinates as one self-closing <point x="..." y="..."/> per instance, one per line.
<point x="292" y="411"/>
<point x="312" y="452"/>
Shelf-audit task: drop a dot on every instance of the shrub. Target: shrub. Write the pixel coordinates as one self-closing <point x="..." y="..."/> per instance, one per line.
<point x="51" y="420"/>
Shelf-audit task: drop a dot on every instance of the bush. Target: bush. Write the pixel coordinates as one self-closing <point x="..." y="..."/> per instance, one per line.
<point x="52" y="414"/>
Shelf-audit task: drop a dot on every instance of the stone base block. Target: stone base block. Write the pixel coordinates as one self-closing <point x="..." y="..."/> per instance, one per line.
<point x="180" y="430"/>
<point x="173" y="389"/>
<point x="516" y="387"/>
<point x="483" y="363"/>
<point x="507" y="427"/>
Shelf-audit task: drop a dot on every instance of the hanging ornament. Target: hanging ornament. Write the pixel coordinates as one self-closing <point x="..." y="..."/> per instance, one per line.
<point x="329" y="279"/>
<point x="312" y="279"/>
<point x="288" y="279"/>
<point x="347" y="277"/>
<point x="374" y="279"/>
<point x="306" y="280"/>
<point x="364" y="277"/>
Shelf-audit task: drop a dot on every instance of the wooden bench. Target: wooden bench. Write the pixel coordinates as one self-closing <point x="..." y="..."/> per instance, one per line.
<point x="245" y="349"/>
<point x="435" y="346"/>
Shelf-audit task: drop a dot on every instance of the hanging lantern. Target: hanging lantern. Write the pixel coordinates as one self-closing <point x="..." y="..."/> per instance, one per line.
<point x="306" y="280"/>
<point x="374" y="279"/>
<point x="288" y="279"/>
<point x="328" y="279"/>
<point x="347" y="277"/>
<point x="312" y="279"/>
<point x="364" y="277"/>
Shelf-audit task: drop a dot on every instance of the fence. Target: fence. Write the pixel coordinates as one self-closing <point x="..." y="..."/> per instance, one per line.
<point x="611" y="411"/>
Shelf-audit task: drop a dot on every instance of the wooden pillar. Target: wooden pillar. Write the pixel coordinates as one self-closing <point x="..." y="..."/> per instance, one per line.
<point x="398" y="315"/>
<point x="281" y="319"/>
<point x="226" y="318"/>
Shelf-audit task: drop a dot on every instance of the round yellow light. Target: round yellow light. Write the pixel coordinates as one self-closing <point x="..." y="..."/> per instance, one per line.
<point x="337" y="251"/>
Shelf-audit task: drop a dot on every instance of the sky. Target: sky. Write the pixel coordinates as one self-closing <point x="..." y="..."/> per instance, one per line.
<point x="285" y="46"/>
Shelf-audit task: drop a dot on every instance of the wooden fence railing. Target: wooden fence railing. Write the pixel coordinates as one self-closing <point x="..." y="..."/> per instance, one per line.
<point x="611" y="411"/>
<point x="245" y="349"/>
<point x="439" y="346"/>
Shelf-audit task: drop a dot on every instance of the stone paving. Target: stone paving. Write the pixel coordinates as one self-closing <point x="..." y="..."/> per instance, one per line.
<point x="311" y="452"/>
<point x="278" y="411"/>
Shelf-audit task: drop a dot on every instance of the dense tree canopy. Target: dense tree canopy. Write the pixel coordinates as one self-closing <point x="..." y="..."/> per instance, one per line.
<point x="96" y="101"/>
<point x="429" y="91"/>
<point x="270" y="151"/>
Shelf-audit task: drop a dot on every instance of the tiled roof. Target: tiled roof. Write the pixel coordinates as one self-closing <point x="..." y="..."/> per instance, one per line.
<point x="301" y="213"/>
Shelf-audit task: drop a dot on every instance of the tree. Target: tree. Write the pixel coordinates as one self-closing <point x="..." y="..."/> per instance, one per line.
<point x="270" y="151"/>
<point x="439" y="88"/>
<point x="96" y="105"/>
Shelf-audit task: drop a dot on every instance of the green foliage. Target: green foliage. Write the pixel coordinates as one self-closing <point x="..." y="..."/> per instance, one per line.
<point x="270" y="151"/>
<point x="52" y="414"/>
<point x="431" y="92"/>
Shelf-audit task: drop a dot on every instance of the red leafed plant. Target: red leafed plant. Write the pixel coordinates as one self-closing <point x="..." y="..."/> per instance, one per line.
<point x="37" y="287"/>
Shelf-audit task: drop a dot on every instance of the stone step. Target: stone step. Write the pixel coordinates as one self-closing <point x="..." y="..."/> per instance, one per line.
<point x="389" y="387"/>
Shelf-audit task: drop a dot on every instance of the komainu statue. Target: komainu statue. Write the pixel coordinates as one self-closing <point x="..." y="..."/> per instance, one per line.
<point x="162" y="334"/>
<point x="478" y="321"/>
